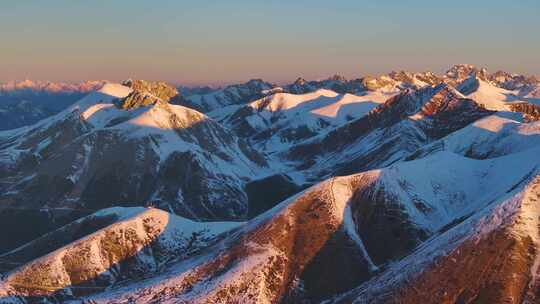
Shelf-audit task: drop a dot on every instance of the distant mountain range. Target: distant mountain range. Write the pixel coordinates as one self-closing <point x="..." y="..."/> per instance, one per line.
<point x="26" y="102"/>
<point x="48" y="97"/>
<point x="400" y="188"/>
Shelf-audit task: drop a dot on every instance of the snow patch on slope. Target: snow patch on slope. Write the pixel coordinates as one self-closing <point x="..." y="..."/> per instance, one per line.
<point x="492" y="97"/>
<point x="106" y="94"/>
<point x="341" y="194"/>
<point x="438" y="181"/>
<point x="491" y="136"/>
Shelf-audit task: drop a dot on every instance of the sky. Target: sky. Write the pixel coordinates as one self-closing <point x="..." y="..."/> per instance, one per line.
<point x="220" y="42"/>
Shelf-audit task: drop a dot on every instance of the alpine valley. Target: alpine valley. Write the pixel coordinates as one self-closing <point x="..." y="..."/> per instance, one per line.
<point x="397" y="188"/>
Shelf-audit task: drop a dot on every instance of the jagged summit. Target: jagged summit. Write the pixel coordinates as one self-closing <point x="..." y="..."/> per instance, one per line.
<point x="159" y="89"/>
<point x="148" y="93"/>
<point x="132" y="94"/>
<point x="459" y="72"/>
<point x="337" y="77"/>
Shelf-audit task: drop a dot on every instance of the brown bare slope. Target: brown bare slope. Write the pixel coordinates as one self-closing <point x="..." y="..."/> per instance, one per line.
<point x="139" y="242"/>
<point x="495" y="262"/>
<point x="375" y="236"/>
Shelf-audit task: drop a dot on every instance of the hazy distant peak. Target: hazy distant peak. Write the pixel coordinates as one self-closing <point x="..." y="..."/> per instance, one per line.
<point x="337" y="77"/>
<point x="300" y="81"/>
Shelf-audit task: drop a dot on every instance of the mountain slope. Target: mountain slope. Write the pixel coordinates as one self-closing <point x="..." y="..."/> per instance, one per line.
<point x="137" y="243"/>
<point x="21" y="113"/>
<point x="388" y="133"/>
<point x="348" y="235"/>
<point x="491" y="97"/>
<point x="26" y="102"/>
<point x="281" y="120"/>
<point x="489" y="137"/>
<point x="230" y="95"/>
<point x="417" y="188"/>
<point x="489" y="257"/>
<point x="95" y="154"/>
<point x="330" y="245"/>
<point x="499" y="99"/>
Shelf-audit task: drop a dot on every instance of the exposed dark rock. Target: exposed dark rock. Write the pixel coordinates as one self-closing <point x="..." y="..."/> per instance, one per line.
<point x="137" y="99"/>
<point x="531" y="111"/>
<point x="158" y="89"/>
<point x="147" y="93"/>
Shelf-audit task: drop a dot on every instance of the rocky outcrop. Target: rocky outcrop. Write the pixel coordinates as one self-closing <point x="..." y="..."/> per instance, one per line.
<point x="137" y="99"/>
<point x="146" y="93"/>
<point x="509" y="81"/>
<point x="531" y="111"/>
<point x="459" y="72"/>
<point x="158" y="89"/>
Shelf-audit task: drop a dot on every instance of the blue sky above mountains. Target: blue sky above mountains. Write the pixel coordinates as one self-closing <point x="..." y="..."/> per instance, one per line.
<point x="216" y="42"/>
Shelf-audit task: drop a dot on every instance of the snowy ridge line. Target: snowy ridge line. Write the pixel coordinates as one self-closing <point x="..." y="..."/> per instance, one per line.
<point x="347" y="219"/>
<point x="531" y="212"/>
<point x="511" y="209"/>
<point x="166" y="228"/>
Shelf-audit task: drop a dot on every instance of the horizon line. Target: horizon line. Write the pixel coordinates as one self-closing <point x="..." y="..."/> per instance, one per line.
<point x="218" y="84"/>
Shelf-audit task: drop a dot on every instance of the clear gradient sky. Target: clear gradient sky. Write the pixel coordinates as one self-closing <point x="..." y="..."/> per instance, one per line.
<point x="216" y="42"/>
